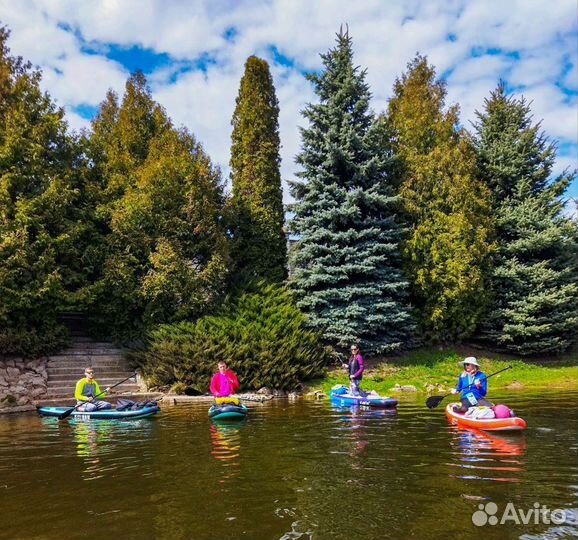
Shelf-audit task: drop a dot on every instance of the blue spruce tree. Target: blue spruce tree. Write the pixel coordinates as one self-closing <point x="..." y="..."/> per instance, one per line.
<point x="346" y="264"/>
<point x="535" y="266"/>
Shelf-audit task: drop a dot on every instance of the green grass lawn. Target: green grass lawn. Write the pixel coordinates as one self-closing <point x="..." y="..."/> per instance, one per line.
<point x="427" y="367"/>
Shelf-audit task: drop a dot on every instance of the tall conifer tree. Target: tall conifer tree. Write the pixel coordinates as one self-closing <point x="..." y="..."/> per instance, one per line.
<point x="260" y="245"/>
<point x="165" y="254"/>
<point x="41" y="211"/>
<point x="446" y="206"/>
<point x="535" y="266"/>
<point x="347" y="267"/>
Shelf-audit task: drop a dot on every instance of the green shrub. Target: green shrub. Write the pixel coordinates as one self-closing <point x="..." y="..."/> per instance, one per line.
<point x="262" y="336"/>
<point x="32" y="343"/>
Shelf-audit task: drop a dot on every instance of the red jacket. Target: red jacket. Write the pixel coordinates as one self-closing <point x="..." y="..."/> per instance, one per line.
<point x="224" y="385"/>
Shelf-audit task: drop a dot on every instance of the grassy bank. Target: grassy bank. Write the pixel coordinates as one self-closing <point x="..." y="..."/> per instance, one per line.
<point x="432" y="370"/>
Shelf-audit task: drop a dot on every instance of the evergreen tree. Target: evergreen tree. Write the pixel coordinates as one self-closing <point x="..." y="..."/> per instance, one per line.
<point x="446" y="206"/>
<point x="161" y="201"/>
<point x="121" y="137"/>
<point x="41" y="211"/>
<point x="260" y="246"/>
<point x="347" y="273"/>
<point x="535" y="266"/>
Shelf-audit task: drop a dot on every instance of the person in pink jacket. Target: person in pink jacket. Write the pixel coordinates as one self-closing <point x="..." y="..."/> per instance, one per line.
<point x="225" y="382"/>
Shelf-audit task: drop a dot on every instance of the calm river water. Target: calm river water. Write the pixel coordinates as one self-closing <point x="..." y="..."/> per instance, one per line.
<point x="292" y="470"/>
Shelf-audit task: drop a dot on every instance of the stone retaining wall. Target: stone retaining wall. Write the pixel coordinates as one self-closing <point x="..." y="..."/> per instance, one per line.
<point x="21" y="383"/>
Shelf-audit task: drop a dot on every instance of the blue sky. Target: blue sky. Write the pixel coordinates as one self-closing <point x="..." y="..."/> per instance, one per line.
<point x="193" y="54"/>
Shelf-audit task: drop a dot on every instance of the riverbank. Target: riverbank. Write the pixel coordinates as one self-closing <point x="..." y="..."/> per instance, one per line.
<point x="432" y="370"/>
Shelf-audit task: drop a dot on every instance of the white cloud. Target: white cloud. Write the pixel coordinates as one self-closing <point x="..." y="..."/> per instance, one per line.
<point x="559" y="117"/>
<point x="571" y="79"/>
<point x="516" y="24"/>
<point x="80" y="78"/>
<point x="482" y="67"/>
<point x="533" y="69"/>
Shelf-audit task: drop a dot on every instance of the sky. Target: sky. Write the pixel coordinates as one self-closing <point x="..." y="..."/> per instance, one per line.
<point x="193" y="54"/>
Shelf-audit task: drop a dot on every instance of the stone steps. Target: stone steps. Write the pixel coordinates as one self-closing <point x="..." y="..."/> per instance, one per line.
<point x="75" y="353"/>
<point x="68" y="390"/>
<point x="68" y="385"/>
<point x="67" y="367"/>
<point x="82" y="362"/>
<point x="77" y="368"/>
<point x="76" y="372"/>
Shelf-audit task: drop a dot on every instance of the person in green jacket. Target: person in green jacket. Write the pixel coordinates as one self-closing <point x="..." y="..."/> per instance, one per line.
<point x="86" y="390"/>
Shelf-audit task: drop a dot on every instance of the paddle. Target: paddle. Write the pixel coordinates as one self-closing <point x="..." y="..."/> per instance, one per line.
<point x="68" y="412"/>
<point x="433" y="401"/>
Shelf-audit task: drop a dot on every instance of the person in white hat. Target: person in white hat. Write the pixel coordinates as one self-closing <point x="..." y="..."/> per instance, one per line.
<point x="473" y="384"/>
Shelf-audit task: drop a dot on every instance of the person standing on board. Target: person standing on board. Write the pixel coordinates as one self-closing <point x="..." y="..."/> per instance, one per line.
<point x="224" y="382"/>
<point x="86" y="390"/>
<point x="355" y="369"/>
<point x="473" y="384"/>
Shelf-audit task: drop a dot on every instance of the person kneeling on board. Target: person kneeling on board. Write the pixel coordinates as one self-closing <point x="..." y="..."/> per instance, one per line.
<point x="224" y="382"/>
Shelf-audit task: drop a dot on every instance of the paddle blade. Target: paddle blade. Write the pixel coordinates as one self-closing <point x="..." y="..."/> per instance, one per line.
<point x="433" y="401"/>
<point x="66" y="414"/>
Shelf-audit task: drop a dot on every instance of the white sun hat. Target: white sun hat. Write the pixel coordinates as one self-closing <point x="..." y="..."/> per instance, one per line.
<point x="470" y="360"/>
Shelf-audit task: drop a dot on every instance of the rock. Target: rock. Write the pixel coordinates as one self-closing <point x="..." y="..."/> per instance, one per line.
<point x="19" y="390"/>
<point x="279" y="393"/>
<point x="3" y="381"/>
<point x="26" y="377"/>
<point x="22" y="400"/>
<point x="396" y="387"/>
<point x="13" y="373"/>
<point x="516" y="385"/>
<point x="31" y="365"/>
<point x="9" y="363"/>
<point x="319" y="395"/>
<point x="37" y="381"/>
<point x="264" y="391"/>
<point x="293" y="395"/>
<point x="37" y="391"/>
<point x="408" y="388"/>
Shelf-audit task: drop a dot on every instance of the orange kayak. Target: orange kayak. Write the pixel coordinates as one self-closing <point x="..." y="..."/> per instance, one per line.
<point x="513" y="423"/>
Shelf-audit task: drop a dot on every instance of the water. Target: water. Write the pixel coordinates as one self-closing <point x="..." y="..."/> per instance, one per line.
<point x="292" y="470"/>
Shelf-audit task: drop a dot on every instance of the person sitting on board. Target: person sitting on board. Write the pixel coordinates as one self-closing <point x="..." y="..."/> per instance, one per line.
<point x="86" y="390"/>
<point x="224" y="382"/>
<point x="474" y="386"/>
<point x="355" y="369"/>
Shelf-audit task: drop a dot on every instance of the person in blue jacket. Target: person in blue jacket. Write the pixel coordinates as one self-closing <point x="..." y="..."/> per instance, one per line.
<point x="473" y="386"/>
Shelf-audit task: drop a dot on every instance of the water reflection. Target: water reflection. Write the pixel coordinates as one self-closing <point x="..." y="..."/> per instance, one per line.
<point x="89" y="436"/>
<point x="358" y="422"/>
<point x="95" y="442"/>
<point x="226" y="446"/>
<point x="489" y="456"/>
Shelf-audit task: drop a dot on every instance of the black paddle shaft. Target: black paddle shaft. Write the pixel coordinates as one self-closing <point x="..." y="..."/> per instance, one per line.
<point x="434" y="401"/>
<point x="67" y="413"/>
